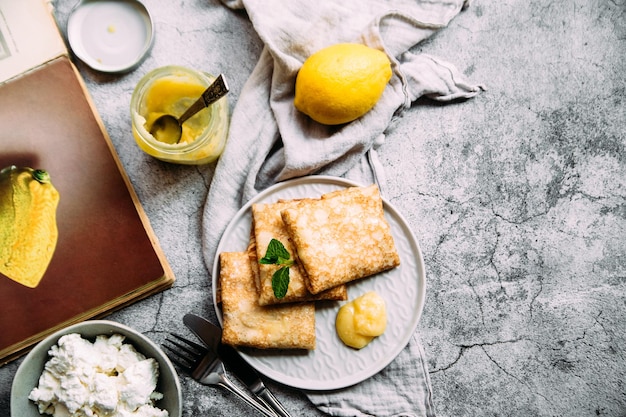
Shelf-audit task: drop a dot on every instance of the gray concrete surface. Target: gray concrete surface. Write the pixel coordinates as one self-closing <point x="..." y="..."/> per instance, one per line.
<point x="518" y="199"/>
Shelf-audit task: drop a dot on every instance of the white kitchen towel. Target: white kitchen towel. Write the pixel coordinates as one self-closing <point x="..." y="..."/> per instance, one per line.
<point x="270" y="141"/>
<point x="402" y="389"/>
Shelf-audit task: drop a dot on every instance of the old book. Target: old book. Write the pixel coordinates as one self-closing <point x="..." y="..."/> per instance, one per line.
<point x="106" y="255"/>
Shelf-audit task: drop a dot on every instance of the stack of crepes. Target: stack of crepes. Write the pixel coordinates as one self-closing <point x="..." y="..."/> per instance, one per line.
<point x="270" y="141"/>
<point x="331" y="241"/>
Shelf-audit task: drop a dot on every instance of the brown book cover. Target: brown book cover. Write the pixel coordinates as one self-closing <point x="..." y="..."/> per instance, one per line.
<point x="106" y="254"/>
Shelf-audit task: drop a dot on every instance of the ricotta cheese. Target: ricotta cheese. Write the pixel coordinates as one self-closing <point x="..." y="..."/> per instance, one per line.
<point x="106" y="378"/>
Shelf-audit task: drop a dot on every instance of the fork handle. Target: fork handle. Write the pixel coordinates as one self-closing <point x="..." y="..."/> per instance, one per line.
<point x="227" y="384"/>
<point x="267" y="396"/>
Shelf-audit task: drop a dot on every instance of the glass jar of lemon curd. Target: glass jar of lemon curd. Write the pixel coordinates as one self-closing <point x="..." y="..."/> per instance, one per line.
<point x="171" y="90"/>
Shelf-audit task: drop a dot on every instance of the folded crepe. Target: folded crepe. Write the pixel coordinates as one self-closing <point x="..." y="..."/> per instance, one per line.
<point x="245" y="323"/>
<point x="341" y="237"/>
<point x="268" y="225"/>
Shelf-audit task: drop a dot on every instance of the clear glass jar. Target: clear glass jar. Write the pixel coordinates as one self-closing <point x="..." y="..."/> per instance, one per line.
<point x="172" y="89"/>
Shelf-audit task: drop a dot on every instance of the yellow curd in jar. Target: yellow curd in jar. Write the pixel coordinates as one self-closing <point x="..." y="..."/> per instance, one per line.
<point x="361" y="320"/>
<point x="173" y="95"/>
<point x="171" y="90"/>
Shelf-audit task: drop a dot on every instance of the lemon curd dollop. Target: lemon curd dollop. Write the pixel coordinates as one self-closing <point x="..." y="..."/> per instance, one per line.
<point x="361" y="320"/>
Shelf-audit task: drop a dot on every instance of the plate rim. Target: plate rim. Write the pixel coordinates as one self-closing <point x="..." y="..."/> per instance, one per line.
<point x="421" y="278"/>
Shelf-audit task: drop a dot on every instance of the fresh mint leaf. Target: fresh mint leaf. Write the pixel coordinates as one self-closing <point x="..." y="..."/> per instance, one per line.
<point x="276" y="254"/>
<point x="280" y="282"/>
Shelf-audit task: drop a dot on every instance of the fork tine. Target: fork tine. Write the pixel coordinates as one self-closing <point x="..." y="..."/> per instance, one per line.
<point x="178" y="359"/>
<point x="185" y="362"/>
<point x="184" y="348"/>
<point x="200" y="350"/>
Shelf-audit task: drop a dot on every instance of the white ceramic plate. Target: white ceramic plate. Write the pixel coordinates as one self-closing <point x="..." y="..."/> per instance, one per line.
<point x="333" y="365"/>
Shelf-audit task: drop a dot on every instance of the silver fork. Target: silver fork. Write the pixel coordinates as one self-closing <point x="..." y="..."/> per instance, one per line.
<point x="206" y="367"/>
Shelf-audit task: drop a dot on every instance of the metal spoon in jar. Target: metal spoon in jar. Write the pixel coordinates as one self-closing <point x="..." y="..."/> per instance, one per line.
<point x="169" y="129"/>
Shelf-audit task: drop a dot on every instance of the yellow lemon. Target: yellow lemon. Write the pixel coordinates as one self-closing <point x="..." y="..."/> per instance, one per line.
<point x="341" y="83"/>
<point x="28" y="227"/>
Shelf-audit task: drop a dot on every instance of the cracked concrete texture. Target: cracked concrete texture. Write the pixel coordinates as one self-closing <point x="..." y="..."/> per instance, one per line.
<point x="518" y="201"/>
<point x="517" y="197"/>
